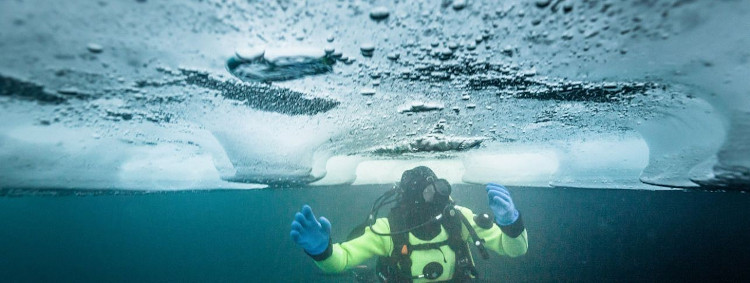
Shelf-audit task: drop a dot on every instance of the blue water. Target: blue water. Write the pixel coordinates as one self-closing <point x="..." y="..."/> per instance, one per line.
<point x="230" y="236"/>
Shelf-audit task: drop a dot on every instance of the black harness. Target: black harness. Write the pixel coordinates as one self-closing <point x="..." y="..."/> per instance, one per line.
<point x="435" y="210"/>
<point x="397" y="267"/>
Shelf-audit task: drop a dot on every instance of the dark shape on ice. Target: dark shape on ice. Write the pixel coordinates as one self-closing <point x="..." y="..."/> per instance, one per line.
<point x="262" y="96"/>
<point x="521" y="86"/>
<point x="27" y="90"/>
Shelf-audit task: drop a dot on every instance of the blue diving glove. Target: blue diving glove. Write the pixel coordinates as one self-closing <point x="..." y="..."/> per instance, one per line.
<point x="308" y="233"/>
<point x="501" y="204"/>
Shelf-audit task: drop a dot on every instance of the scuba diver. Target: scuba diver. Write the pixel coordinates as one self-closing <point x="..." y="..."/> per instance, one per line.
<point x="424" y="238"/>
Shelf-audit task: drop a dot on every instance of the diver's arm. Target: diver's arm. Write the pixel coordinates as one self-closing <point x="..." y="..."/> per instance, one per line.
<point x="339" y="257"/>
<point x="508" y="240"/>
<point x="514" y="240"/>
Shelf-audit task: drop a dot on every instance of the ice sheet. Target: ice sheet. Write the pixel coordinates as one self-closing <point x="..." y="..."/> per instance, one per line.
<point x="140" y="95"/>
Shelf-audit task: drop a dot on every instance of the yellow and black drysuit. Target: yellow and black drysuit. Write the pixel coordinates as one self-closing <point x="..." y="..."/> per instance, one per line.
<point x="508" y="240"/>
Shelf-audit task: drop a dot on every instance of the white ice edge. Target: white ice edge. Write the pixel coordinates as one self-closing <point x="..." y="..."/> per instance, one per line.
<point x="70" y="158"/>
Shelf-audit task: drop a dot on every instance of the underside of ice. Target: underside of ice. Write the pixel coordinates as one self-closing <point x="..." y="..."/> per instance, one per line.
<point x="158" y="95"/>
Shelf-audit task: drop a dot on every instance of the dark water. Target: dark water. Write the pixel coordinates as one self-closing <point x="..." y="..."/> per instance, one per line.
<point x="229" y="236"/>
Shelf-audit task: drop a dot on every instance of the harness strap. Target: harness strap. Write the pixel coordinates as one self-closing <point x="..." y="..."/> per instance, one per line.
<point x="399" y="263"/>
<point x="464" y="265"/>
<point x="401" y="256"/>
<point x="478" y="242"/>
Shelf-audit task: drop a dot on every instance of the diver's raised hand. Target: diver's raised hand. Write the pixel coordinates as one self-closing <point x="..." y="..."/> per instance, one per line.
<point x="308" y="233"/>
<point x="501" y="204"/>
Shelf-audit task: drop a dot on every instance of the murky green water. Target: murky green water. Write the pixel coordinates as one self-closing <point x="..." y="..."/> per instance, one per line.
<point x="232" y="236"/>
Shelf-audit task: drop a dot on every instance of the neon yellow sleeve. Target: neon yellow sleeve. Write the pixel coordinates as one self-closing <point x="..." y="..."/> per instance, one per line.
<point x="495" y="239"/>
<point x="352" y="253"/>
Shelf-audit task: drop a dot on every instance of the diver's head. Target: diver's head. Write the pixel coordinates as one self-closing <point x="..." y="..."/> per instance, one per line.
<point x="421" y="186"/>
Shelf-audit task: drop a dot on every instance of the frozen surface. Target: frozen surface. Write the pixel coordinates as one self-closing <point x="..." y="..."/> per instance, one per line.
<point x="156" y="95"/>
